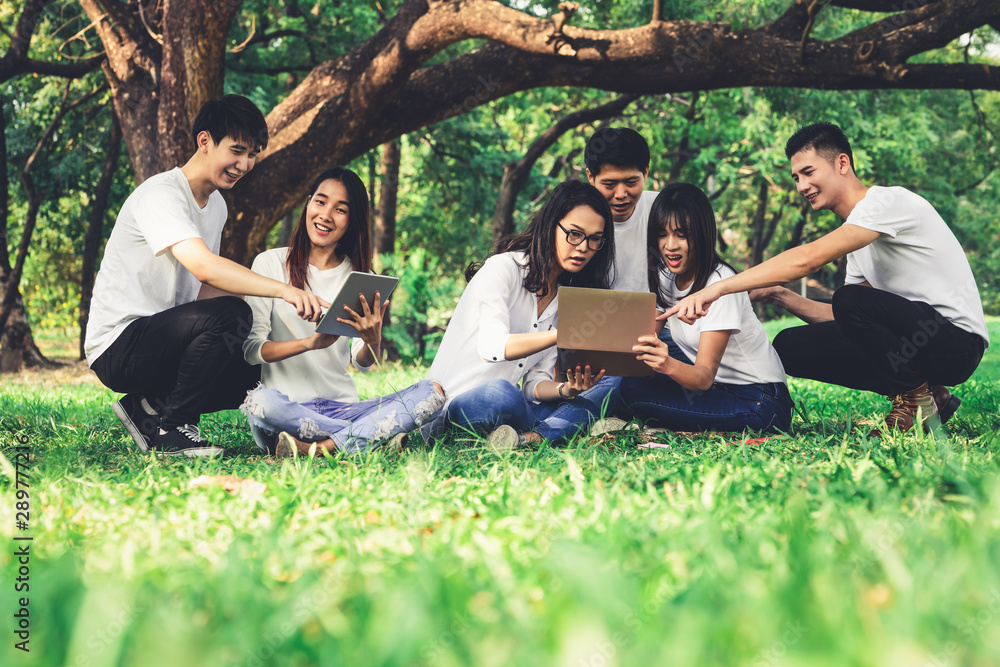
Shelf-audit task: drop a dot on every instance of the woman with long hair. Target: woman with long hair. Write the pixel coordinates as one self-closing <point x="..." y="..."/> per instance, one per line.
<point x="307" y="396"/>
<point x="736" y="381"/>
<point x="503" y="332"/>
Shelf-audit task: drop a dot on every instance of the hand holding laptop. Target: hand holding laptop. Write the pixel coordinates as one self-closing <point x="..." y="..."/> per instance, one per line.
<point x="597" y="328"/>
<point x="578" y="380"/>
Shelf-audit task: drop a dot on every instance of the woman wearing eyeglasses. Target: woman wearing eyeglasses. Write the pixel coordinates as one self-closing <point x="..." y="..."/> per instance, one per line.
<point x="497" y="357"/>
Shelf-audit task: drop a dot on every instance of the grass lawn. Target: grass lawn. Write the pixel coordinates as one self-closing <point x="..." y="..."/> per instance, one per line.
<point x="819" y="548"/>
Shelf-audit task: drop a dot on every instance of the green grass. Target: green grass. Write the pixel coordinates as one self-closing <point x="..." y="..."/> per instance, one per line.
<point x="822" y="548"/>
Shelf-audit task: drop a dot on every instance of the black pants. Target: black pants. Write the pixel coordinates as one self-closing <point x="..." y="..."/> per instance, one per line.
<point x="186" y="361"/>
<point x="880" y="342"/>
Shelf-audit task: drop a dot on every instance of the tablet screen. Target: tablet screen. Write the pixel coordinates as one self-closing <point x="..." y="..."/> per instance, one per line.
<point x="357" y="283"/>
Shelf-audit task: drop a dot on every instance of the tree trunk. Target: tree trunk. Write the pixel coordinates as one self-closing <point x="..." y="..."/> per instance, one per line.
<point x="287" y="227"/>
<point x="756" y="239"/>
<point x="17" y="346"/>
<point x="159" y="87"/>
<point x="95" y="226"/>
<point x="385" y="216"/>
<point x="5" y="207"/>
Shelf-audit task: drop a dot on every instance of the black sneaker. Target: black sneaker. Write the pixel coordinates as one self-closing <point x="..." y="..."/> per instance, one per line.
<point x="138" y="421"/>
<point x="185" y="440"/>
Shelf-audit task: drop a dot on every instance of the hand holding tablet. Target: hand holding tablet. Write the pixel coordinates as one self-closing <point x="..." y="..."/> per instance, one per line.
<point x="357" y="302"/>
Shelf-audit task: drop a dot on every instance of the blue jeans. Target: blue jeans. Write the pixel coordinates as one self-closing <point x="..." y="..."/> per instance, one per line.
<point x="577" y="416"/>
<point x="600" y="401"/>
<point x="354" y="427"/>
<point x="660" y="401"/>
<point x="488" y="406"/>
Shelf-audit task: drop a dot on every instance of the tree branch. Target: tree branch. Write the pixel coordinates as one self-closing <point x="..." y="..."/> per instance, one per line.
<point x="63" y="70"/>
<point x="16" y="60"/>
<point x="881" y="5"/>
<point x="516" y="174"/>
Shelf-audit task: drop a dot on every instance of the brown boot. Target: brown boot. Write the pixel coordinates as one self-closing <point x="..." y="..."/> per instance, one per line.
<point x="947" y="404"/>
<point x="903" y="414"/>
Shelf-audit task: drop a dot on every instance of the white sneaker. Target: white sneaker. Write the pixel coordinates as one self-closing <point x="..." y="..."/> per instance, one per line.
<point x="505" y="439"/>
<point x="610" y="425"/>
<point x="286" y="446"/>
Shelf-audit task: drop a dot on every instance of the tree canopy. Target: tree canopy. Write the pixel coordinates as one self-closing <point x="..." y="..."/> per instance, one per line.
<point x="403" y="73"/>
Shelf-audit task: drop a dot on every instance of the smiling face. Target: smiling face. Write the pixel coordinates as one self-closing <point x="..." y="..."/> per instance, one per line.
<point x="327" y="214"/>
<point x="676" y="253"/>
<point x="227" y="161"/>
<point x="583" y="219"/>
<point x="621" y="187"/>
<point x="821" y="181"/>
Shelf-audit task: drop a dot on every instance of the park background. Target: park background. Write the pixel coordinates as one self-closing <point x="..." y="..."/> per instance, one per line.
<point x="819" y="548"/>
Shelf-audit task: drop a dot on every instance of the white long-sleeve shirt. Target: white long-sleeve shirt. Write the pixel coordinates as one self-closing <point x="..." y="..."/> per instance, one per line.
<point x="313" y="374"/>
<point x="494" y="306"/>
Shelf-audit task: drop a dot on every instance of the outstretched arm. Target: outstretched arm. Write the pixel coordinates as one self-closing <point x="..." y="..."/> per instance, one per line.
<point x="526" y="344"/>
<point x="229" y="276"/>
<point x="789" y="265"/>
<point x="808" y="310"/>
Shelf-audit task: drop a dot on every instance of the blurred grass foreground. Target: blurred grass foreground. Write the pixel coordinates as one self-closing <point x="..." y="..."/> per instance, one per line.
<point x="817" y="548"/>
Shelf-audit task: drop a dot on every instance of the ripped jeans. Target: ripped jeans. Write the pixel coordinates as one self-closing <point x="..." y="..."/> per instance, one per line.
<point x="353" y="427"/>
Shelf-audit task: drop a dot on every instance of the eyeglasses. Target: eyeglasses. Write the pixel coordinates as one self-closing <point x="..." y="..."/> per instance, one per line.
<point x="576" y="237"/>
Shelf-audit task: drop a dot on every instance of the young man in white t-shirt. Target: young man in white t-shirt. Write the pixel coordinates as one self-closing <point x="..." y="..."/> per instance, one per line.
<point x="909" y="321"/>
<point x="165" y="327"/>
<point x="617" y="160"/>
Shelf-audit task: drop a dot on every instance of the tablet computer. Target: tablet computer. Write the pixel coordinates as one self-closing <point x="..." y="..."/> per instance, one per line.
<point x="357" y="283"/>
<point x="599" y="327"/>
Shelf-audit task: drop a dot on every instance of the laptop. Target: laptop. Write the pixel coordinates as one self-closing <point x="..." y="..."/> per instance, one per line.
<point x="356" y="283"/>
<point x="599" y="327"/>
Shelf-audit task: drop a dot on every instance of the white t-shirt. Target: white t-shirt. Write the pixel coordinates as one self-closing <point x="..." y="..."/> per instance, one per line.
<point x="139" y="277"/>
<point x="630" y="247"/>
<point x="916" y="257"/>
<point x="749" y="357"/>
<point x="494" y="306"/>
<point x="313" y="374"/>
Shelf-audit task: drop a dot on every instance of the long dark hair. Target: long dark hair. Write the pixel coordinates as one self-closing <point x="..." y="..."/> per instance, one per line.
<point x="538" y="241"/>
<point x="355" y="244"/>
<point x="685" y="207"/>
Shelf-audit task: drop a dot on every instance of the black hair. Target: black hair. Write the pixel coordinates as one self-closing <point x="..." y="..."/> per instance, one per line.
<point x="616" y="146"/>
<point x="538" y="241"/>
<point x="355" y="244"/>
<point x="232" y="116"/>
<point x="825" y="138"/>
<point x="686" y="208"/>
